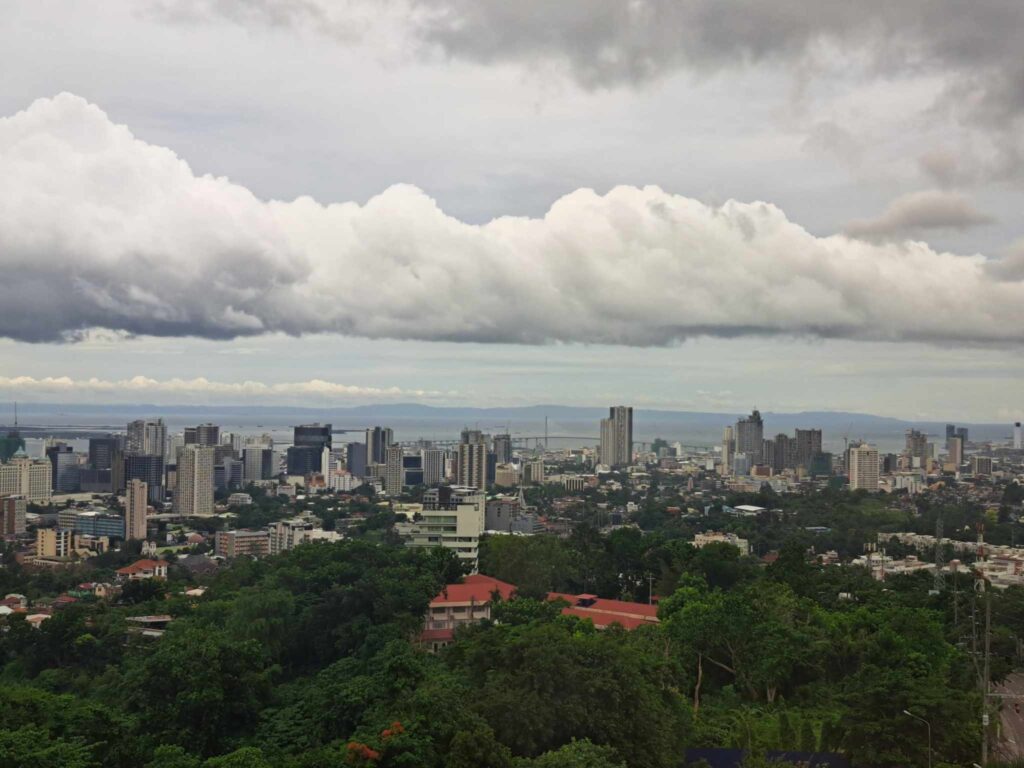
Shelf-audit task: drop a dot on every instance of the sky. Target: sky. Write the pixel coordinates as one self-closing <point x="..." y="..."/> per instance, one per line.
<point x="691" y="204"/>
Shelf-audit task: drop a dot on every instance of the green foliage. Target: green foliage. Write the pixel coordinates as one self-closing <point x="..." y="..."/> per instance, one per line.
<point x="30" y="747"/>
<point x="576" y="754"/>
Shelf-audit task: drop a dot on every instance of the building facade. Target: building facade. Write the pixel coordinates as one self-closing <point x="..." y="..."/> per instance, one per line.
<point x="193" y="492"/>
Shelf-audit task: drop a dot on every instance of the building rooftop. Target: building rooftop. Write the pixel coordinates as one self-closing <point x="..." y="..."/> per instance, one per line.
<point x="474" y="589"/>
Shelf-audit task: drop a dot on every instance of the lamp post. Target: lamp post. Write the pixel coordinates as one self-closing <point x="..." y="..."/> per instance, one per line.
<point x="927" y="725"/>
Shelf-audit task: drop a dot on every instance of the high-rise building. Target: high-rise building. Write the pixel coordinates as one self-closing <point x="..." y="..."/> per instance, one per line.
<point x="257" y="464"/>
<point x="784" y="453"/>
<point x="503" y="448"/>
<point x="355" y="459"/>
<point x="204" y="434"/>
<point x="750" y="437"/>
<point x="981" y="465"/>
<point x="316" y="435"/>
<point x="303" y="460"/>
<point x="22" y="476"/>
<point x="228" y="474"/>
<point x="104" y="450"/>
<point x="377" y="441"/>
<point x="956" y="451"/>
<point x="863" y="468"/>
<point x="617" y="437"/>
<point x="135" y="506"/>
<point x="145" y="436"/>
<point x="472" y="463"/>
<point x="1018" y="436"/>
<point x="393" y="469"/>
<point x="950" y="432"/>
<point x="916" y="444"/>
<point x="433" y="466"/>
<point x="728" y="450"/>
<point x="193" y="493"/>
<point x="808" y="445"/>
<point x="150" y="469"/>
<point x="12" y="516"/>
<point x="64" y="463"/>
<point x="962" y="433"/>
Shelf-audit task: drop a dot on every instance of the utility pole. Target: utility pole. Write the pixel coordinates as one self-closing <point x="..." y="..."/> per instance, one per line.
<point x="985" y="680"/>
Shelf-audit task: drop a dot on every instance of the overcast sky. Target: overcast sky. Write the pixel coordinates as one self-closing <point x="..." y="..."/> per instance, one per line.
<point x="693" y="204"/>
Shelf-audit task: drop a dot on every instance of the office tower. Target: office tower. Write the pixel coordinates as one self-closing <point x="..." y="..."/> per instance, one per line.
<point x="617" y="437"/>
<point x="102" y="451"/>
<point x="784" y="453"/>
<point x="728" y="450"/>
<point x="808" y="445"/>
<point x="740" y="464"/>
<point x="950" y="432"/>
<point x="135" y="505"/>
<point x="31" y="478"/>
<point x="503" y="448"/>
<point x="750" y="437"/>
<point x="148" y="468"/>
<point x="193" y="494"/>
<point x="1018" y="436"/>
<point x="302" y="460"/>
<point x="393" y="456"/>
<point x="12" y="516"/>
<point x="64" y="463"/>
<point x="144" y="436"/>
<point x="355" y="459"/>
<point x="768" y="453"/>
<point x="257" y="464"/>
<point x="981" y="465"/>
<point x="314" y="435"/>
<point x="533" y="472"/>
<point x="472" y="463"/>
<point x="863" y="469"/>
<point x="961" y="432"/>
<point x="433" y="466"/>
<point x="412" y="470"/>
<point x="956" y="451"/>
<point x="377" y="441"/>
<point x="916" y="444"/>
<point x="204" y="434"/>
<point x="228" y="474"/>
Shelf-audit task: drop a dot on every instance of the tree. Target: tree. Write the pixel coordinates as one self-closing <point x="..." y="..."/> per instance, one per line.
<point x="581" y="753"/>
<point x="34" y="748"/>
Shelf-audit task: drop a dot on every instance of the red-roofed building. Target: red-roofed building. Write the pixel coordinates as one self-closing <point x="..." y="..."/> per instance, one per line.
<point x="604" y="613"/>
<point x="459" y="604"/>
<point x="143" y="569"/>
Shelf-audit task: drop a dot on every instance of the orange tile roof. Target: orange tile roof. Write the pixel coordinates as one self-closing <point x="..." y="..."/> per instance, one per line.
<point x="474" y="589"/>
<point x="142" y="565"/>
<point x="604" y="612"/>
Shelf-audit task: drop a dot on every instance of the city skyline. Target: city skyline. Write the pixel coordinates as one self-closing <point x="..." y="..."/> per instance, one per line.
<point x="817" y="221"/>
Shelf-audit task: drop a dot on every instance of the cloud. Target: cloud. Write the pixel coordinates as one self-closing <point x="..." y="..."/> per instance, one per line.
<point x="918" y="212"/>
<point x="317" y="388"/>
<point x="1010" y="264"/>
<point x="99" y="229"/>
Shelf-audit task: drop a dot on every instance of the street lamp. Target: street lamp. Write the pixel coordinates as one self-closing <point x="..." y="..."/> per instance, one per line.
<point x="927" y="725"/>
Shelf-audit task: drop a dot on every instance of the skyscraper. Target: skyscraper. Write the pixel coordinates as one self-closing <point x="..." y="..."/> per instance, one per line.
<point x="916" y="444"/>
<point x="136" y="502"/>
<point x="204" y="434"/>
<point x="193" y="494"/>
<point x="433" y="466"/>
<point x="377" y="440"/>
<point x="808" y="445"/>
<point x="728" y="450"/>
<point x="1018" y="436"/>
<point x="956" y="451"/>
<point x="503" y="448"/>
<point x="863" y="467"/>
<point x="393" y="469"/>
<point x="103" y="450"/>
<point x="472" y="466"/>
<point x="617" y="437"/>
<point x="257" y="463"/>
<point x="150" y="469"/>
<point x="146" y="436"/>
<point x="65" y="468"/>
<point x="750" y="437"/>
<point x="355" y="459"/>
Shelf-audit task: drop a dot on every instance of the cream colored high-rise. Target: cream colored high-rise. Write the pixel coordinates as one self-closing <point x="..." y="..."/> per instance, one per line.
<point x="864" y="467"/>
<point x="617" y="437"/>
<point x="135" y="506"/>
<point x="22" y="476"/>
<point x="193" y="494"/>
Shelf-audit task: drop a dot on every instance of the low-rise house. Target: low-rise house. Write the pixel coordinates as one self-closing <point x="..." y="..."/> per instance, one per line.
<point x="460" y="604"/>
<point x="606" y="613"/>
<point x="143" y="569"/>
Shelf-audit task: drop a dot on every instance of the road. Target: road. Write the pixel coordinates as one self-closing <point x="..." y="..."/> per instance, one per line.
<point x="1011" y="734"/>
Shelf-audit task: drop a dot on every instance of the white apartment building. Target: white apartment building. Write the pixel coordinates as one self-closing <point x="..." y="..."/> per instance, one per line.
<point x="452" y="517"/>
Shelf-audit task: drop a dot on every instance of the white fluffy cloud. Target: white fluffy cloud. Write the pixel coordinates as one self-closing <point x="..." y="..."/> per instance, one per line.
<point x="99" y="229"/>
<point x="138" y="385"/>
